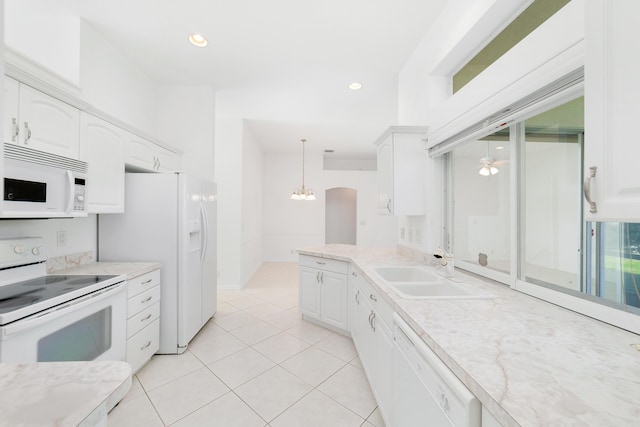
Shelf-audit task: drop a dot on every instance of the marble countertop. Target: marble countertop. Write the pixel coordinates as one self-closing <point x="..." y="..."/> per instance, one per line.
<point x="129" y="269"/>
<point x="529" y="362"/>
<point x="61" y="394"/>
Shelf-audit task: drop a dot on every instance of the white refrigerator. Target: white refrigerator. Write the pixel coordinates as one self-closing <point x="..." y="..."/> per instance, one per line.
<point x="169" y="218"/>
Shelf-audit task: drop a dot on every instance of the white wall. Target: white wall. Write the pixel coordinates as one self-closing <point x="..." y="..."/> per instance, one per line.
<point x="289" y="224"/>
<point x="228" y="175"/>
<point x="252" y="161"/>
<point x="53" y="41"/>
<point x="113" y="84"/>
<point x="185" y="118"/>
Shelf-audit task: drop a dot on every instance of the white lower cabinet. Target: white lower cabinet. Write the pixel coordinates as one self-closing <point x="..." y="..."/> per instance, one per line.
<point x="411" y="385"/>
<point x="323" y="290"/>
<point x="369" y="317"/>
<point x="143" y="318"/>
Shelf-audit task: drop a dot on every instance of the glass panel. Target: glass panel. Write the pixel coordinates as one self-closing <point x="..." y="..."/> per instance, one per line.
<point x="616" y="262"/>
<point x="552" y="200"/>
<point x="83" y="340"/>
<point x="481" y="211"/>
<point x="532" y="17"/>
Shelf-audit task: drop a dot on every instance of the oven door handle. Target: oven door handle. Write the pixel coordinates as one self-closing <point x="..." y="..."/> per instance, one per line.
<point x="62" y="309"/>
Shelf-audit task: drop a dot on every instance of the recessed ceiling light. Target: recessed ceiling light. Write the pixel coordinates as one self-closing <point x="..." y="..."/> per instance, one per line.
<point x="197" y="40"/>
<point x="355" y="86"/>
<point x="499" y="147"/>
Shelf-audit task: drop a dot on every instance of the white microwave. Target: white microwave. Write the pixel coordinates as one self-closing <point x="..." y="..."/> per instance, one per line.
<point x="42" y="185"/>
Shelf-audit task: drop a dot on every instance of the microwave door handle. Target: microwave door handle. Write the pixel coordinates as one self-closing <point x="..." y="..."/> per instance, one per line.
<point x="205" y="234"/>
<point x="70" y="195"/>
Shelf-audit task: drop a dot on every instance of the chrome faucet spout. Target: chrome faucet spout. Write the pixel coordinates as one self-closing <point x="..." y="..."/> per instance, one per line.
<point x="446" y="261"/>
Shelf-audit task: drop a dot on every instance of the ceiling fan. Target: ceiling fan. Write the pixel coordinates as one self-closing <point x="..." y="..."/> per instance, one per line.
<point x="489" y="165"/>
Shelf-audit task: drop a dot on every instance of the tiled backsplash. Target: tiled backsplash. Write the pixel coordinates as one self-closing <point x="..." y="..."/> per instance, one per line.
<point x="68" y="261"/>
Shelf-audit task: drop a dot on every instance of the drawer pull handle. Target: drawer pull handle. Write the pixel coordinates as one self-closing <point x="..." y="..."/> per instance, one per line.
<point x="320" y="263"/>
<point x="147" y="299"/>
<point x="373" y="298"/>
<point x="357" y="295"/>
<point x="354" y="274"/>
<point x="146" y="281"/>
<point x="147" y="317"/>
<point x="145" y="346"/>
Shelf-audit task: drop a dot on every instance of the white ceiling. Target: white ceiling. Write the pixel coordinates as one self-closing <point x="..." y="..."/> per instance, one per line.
<point x="284" y="65"/>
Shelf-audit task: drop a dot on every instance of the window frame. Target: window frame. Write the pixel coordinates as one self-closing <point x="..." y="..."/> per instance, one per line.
<point x="596" y="309"/>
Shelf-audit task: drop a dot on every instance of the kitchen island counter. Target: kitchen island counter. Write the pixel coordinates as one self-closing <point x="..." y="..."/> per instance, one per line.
<point x="61" y="394"/>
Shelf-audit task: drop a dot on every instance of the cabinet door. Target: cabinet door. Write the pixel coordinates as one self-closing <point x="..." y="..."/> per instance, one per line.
<point x="140" y="152"/>
<point x="385" y="177"/>
<point x="367" y="341"/>
<point x="10" y="114"/>
<point x="612" y="102"/>
<point x="166" y="161"/>
<point x="309" y="296"/>
<point x="47" y="124"/>
<point x="333" y="299"/>
<point x="103" y="150"/>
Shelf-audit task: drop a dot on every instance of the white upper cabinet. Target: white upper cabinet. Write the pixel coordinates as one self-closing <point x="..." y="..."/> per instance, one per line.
<point x="612" y="102"/>
<point x="147" y="155"/>
<point x="39" y="121"/>
<point x="103" y="149"/>
<point x="402" y="162"/>
<point x="11" y="110"/>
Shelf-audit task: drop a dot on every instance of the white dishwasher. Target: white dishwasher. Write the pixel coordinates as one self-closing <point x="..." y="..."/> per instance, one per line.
<point x="425" y="392"/>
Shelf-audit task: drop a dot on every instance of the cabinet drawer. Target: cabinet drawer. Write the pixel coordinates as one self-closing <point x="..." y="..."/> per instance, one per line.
<point x="138" y="321"/>
<point x="319" y="263"/>
<point x="381" y="306"/>
<point x="142" y="283"/>
<point x="143" y="345"/>
<point x="141" y="301"/>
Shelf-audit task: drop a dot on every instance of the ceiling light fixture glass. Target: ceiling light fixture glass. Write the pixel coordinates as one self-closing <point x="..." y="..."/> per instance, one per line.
<point x="303" y="193"/>
<point x="488" y="165"/>
<point x="355" y="86"/>
<point x="197" y="40"/>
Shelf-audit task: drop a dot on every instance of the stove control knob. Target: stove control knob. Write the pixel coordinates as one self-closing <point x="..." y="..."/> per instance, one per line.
<point x="35" y="250"/>
<point x="18" y="249"/>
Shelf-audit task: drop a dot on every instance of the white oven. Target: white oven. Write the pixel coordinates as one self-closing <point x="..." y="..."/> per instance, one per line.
<point x="46" y="318"/>
<point x="87" y="328"/>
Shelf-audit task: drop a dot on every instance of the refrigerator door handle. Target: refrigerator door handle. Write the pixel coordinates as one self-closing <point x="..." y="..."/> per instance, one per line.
<point x="205" y="234"/>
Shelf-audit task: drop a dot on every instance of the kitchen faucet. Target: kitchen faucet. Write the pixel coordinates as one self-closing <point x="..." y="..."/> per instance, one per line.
<point x="446" y="260"/>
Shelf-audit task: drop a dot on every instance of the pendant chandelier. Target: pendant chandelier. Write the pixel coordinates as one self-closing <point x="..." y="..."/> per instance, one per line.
<point x="303" y="193"/>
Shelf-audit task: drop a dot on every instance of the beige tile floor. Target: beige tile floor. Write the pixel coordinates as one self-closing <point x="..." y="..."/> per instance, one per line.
<point x="256" y="363"/>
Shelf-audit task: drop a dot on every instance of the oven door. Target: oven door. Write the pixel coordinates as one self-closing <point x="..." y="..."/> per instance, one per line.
<point x="92" y="327"/>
